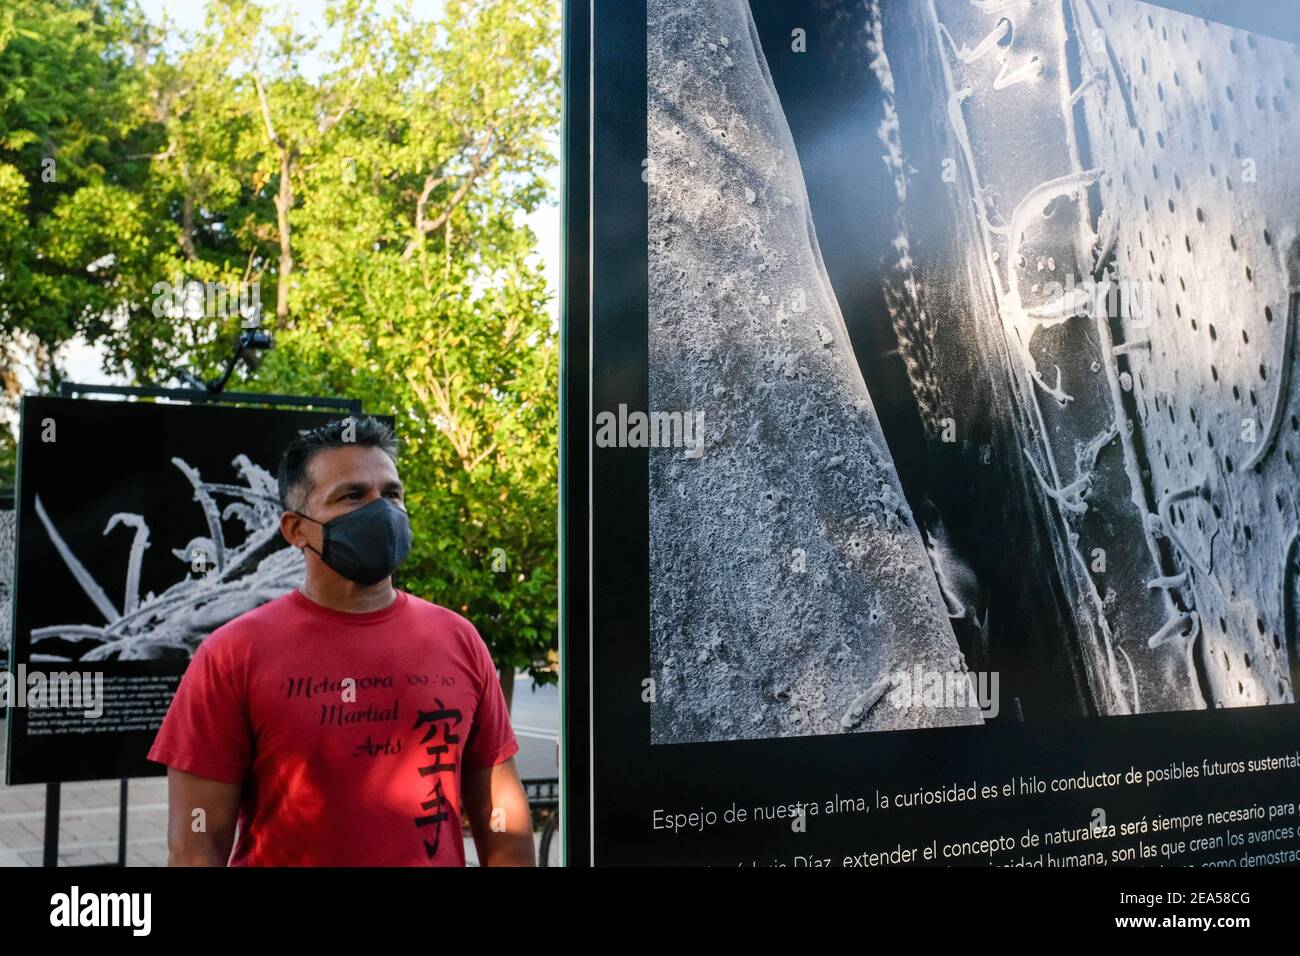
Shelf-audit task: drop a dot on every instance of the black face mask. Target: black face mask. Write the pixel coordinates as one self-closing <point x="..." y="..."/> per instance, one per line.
<point x="365" y="545"/>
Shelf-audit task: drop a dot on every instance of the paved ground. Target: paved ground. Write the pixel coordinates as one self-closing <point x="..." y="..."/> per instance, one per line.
<point x="89" y="811"/>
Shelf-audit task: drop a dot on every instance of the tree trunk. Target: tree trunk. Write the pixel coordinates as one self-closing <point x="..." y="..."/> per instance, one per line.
<point x="283" y="203"/>
<point x="508" y="685"/>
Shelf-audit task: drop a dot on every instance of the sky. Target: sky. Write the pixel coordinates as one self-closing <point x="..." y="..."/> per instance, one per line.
<point x="83" y="362"/>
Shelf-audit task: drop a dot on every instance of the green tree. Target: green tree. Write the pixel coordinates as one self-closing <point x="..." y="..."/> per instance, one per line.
<point x="66" y="84"/>
<point x="418" y="292"/>
<point x="376" y="200"/>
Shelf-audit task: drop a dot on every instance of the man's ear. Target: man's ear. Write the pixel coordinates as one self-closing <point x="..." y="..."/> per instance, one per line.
<point x="293" y="529"/>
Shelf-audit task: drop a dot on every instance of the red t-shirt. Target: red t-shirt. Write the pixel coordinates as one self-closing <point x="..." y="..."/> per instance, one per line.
<point x="338" y="772"/>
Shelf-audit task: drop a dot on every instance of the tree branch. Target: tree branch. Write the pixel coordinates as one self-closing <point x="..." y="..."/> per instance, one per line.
<point x="266" y="110"/>
<point x="347" y="101"/>
<point x="167" y="153"/>
<point x="480" y="162"/>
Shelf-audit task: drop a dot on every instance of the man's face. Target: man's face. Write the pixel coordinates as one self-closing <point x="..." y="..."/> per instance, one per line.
<point x="341" y="480"/>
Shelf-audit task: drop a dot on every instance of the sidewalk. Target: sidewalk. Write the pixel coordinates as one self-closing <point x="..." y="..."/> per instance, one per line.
<point x="89" y="820"/>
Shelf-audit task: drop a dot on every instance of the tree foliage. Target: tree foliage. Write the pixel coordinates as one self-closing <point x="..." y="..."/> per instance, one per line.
<point x="371" y="186"/>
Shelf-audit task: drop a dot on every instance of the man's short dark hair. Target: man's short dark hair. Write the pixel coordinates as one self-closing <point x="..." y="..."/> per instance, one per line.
<point x="362" y="431"/>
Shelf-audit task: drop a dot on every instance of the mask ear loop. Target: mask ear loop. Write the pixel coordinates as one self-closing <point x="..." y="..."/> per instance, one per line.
<point x="307" y="544"/>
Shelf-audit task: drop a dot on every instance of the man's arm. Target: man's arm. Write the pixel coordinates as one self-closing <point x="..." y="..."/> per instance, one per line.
<point x="498" y="815"/>
<point x="200" y="839"/>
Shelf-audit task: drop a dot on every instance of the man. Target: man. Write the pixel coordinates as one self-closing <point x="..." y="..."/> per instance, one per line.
<point x="347" y="722"/>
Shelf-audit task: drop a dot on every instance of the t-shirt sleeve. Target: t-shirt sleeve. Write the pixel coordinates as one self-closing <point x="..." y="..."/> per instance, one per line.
<point x="491" y="738"/>
<point x="206" y="730"/>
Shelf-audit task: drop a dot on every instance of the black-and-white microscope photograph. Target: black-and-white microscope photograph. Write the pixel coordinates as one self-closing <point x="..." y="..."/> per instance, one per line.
<point x="988" y="310"/>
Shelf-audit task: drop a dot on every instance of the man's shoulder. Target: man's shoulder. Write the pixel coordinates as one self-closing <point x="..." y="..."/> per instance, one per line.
<point x="447" y="627"/>
<point x="442" y="617"/>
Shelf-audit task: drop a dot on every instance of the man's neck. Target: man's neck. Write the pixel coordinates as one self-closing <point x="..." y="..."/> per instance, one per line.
<point x="344" y="595"/>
